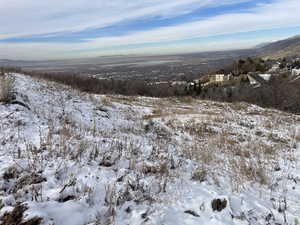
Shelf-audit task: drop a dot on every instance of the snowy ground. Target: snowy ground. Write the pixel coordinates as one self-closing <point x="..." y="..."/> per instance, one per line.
<point x="82" y="159"/>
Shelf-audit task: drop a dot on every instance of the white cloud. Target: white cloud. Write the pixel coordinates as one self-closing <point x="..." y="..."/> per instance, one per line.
<point x="279" y="14"/>
<point x="29" y="17"/>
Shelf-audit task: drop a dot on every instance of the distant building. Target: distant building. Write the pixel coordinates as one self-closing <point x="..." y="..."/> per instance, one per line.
<point x="265" y="76"/>
<point x="219" y="78"/>
<point x="258" y="79"/>
<point x="295" y="72"/>
<point x="178" y="83"/>
<point x="296" y="60"/>
<point x="252" y="81"/>
<point x="275" y="68"/>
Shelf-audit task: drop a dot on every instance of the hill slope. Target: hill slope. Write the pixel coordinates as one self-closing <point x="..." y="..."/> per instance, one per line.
<point x="283" y="48"/>
<point x="81" y="159"/>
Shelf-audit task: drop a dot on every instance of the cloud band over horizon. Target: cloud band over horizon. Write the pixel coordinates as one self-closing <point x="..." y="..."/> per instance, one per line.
<point x="78" y="28"/>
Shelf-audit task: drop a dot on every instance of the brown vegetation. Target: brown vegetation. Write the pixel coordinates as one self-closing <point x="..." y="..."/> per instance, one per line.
<point x="16" y="217"/>
<point x="281" y="94"/>
<point x="111" y="86"/>
<point x="6" y="88"/>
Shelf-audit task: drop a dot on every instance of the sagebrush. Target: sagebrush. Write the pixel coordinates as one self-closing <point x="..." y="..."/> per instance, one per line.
<point x="7" y="84"/>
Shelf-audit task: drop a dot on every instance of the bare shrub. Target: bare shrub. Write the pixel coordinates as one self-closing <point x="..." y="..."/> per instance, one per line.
<point x="297" y="137"/>
<point x="27" y="180"/>
<point x="160" y="168"/>
<point x="200" y="174"/>
<point x="11" y="173"/>
<point x="16" y="217"/>
<point x="110" y="86"/>
<point x="7" y="84"/>
<point x="279" y="93"/>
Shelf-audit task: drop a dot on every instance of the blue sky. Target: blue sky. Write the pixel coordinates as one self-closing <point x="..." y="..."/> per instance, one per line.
<point x="80" y="28"/>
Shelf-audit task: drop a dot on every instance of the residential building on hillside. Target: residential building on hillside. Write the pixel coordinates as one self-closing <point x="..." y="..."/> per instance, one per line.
<point x="275" y="68"/>
<point x="258" y="79"/>
<point x="219" y="78"/>
<point x="178" y="83"/>
<point x="295" y="72"/>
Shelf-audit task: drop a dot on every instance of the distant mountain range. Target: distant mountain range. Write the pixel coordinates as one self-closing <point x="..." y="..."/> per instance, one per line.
<point x="279" y="49"/>
<point x="273" y="50"/>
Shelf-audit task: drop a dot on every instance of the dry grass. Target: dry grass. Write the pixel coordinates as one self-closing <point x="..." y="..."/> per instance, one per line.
<point x="7" y="84"/>
<point x="105" y="101"/>
<point x="277" y="139"/>
<point x="297" y="137"/>
<point x="160" y="113"/>
<point x="157" y="111"/>
<point x="186" y="99"/>
<point x="224" y="152"/>
<point x="215" y="152"/>
<point x="238" y="106"/>
<point x="210" y="112"/>
<point x="129" y="100"/>
<point x="199" y="174"/>
<point x="242" y="156"/>
<point x="16" y="217"/>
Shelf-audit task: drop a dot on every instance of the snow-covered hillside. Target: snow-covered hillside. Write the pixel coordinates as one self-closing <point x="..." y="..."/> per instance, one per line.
<point x="71" y="158"/>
